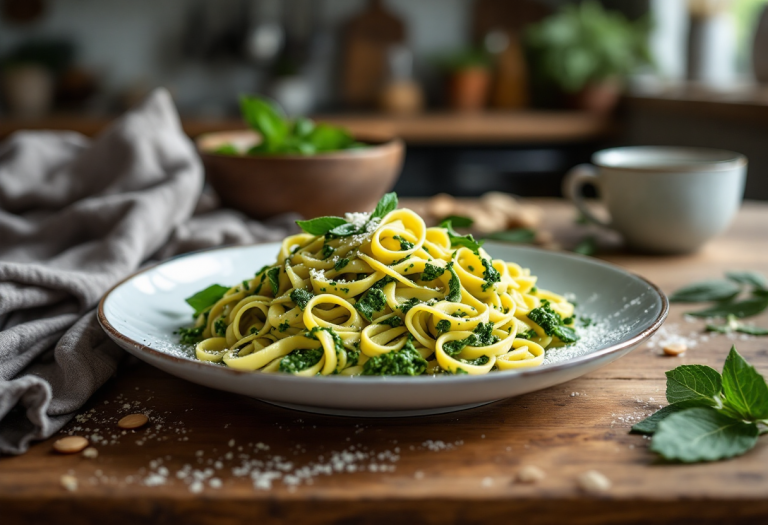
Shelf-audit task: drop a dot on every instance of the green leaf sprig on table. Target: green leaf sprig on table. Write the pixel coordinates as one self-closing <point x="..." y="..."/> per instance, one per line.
<point x="729" y="301"/>
<point x="335" y="227"/>
<point x="280" y="135"/>
<point x="710" y="416"/>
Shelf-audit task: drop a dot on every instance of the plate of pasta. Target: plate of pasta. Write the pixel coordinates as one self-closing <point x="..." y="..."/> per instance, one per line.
<point x="378" y="314"/>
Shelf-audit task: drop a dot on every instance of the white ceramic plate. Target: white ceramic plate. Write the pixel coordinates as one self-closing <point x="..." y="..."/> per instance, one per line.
<point x="141" y="313"/>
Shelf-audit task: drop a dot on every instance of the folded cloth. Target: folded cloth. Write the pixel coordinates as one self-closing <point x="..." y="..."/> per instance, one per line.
<point x="76" y="217"/>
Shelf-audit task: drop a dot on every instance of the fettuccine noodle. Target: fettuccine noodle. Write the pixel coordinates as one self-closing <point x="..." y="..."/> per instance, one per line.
<point x="395" y="298"/>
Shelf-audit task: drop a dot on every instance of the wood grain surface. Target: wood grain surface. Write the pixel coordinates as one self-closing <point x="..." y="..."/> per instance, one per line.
<point x="456" y="467"/>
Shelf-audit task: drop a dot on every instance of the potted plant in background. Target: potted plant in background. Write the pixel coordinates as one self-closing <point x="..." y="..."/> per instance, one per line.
<point x="467" y="77"/>
<point x="584" y="53"/>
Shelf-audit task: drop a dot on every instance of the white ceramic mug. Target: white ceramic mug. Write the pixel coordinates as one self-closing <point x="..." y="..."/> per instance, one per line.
<point x="663" y="199"/>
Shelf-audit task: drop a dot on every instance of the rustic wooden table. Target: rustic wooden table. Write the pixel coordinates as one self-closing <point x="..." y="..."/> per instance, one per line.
<point x="214" y="457"/>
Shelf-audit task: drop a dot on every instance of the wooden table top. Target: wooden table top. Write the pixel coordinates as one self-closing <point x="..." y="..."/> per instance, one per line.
<point x="188" y="466"/>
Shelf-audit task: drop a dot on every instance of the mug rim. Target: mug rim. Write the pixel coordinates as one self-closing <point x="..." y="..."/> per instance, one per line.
<point x="733" y="160"/>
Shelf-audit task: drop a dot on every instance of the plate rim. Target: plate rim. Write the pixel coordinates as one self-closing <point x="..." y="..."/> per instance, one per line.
<point x="647" y="332"/>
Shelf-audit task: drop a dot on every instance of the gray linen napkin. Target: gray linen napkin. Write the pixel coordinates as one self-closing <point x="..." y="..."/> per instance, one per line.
<point x="77" y="216"/>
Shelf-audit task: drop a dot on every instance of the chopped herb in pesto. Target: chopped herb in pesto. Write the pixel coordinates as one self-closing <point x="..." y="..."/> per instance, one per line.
<point x="189" y="336"/>
<point x="471" y="268"/>
<point x="246" y="286"/>
<point x="405" y="362"/>
<point x="404" y="244"/>
<point x="482" y="336"/>
<point x="479" y="361"/>
<point x="261" y="283"/>
<point x="460" y="313"/>
<point x="585" y="321"/>
<point x="300" y="359"/>
<point x="393" y="321"/>
<point x="534" y="290"/>
<point x="552" y="323"/>
<point x="491" y="274"/>
<point x="372" y="301"/>
<point x="263" y="269"/>
<point x="432" y="272"/>
<point x="220" y="327"/>
<point x="273" y="274"/>
<point x="301" y="297"/>
<point x="361" y="276"/>
<point x="282" y="327"/>
<point x="327" y="251"/>
<point x="444" y="325"/>
<point x="407" y="305"/>
<point x="454" y="286"/>
<point x="341" y="263"/>
<point x="530" y="334"/>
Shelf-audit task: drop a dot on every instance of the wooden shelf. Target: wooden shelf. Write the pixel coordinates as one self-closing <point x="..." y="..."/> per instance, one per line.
<point x="428" y="128"/>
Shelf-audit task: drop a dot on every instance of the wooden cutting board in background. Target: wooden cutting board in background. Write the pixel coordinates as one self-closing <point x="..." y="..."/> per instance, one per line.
<point x="367" y="37"/>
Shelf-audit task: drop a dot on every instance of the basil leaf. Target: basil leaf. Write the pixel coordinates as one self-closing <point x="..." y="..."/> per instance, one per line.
<point x="267" y="119"/>
<point x="385" y="205"/>
<point x="745" y="390"/>
<point x="273" y="274"/>
<point x="459" y="221"/>
<point x="321" y="225"/>
<point x="302" y="127"/>
<point x="750" y="330"/>
<point x="754" y="279"/>
<point x="695" y="385"/>
<point x="519" y="236"/>
<point x="227" y="149"/>
<point x="703" y="434"/>
<point x="206" y="298"/>
<point x="461" y="240"/>
<point x="745" y="308"/>
<point x="325" y="137"/>
<point x="719" y="328"/>
<point x="587" y="246"/>
<point x="706" y="291"/>
<point x="343" y="230"/>
<point x="650" y="424"/>
<point x="301" y="297"/>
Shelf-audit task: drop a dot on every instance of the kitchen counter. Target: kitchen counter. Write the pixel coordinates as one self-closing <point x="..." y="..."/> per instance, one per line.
<point x="195" y="463"/>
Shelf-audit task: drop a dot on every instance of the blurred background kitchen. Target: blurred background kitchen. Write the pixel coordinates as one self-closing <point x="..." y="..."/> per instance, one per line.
<point x="487" y="94"/>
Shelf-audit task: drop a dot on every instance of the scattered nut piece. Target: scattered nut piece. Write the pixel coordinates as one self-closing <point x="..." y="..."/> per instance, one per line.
<point x="133" y="421"/>
<point x="70" y="444"/>
<point x="594" y="481"/>
<point x="90" y="453"/>
<point x="674" y="349"/>
<point x="68" y="482"/>
<point x="530" y="474"/>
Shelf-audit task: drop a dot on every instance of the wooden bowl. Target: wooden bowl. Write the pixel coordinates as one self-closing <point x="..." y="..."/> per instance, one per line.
<point x="323" y="184"/>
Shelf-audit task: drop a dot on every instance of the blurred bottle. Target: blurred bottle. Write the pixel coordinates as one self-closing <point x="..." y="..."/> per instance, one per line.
<point x="760" y="49"/>
<point x="509" y="89"/>
<point x="711" y="42"/>
<point x="28" y="90"/>
<point x="401" y="94"/>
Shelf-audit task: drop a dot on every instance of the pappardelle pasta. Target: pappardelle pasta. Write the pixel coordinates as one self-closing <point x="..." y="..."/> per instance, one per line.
<point x="380" y="294"/>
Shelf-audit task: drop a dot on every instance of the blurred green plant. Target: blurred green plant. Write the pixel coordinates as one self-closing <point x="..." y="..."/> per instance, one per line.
<point x="463" y="59"/>
<point x="279" y="135"/>
<point x="585" y="44"/>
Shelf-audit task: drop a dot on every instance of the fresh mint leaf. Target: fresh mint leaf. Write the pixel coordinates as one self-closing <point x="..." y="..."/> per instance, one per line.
<point x="267" y="119"/>
<point x="517" y="236"/>
<point x="385" y="205"/>
<point x="650" y="424"/>
<point x="745" y="390"/>
<point x="459" y="221"/>
<point x="740" y="309"/>
<point x="747" y="278"/>
<point x="706" y="291"/>
<point x="461" y="240"/>
<point x="206" y="298"/>
<point x="694" y="385"/>
<point x="321" y="225"/>
<point x="702" y="434"/>
<point x="273" y="274"/>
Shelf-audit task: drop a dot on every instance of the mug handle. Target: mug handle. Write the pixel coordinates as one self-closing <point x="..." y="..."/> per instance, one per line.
<point x="578" y="177"/>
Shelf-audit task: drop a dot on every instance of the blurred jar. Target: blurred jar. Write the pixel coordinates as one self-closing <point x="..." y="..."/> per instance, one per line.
<point x="401" y="94"/>
<point x="711" y="42"/>
<point x="28" y="90"/>
<point x="468" y="88"/>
